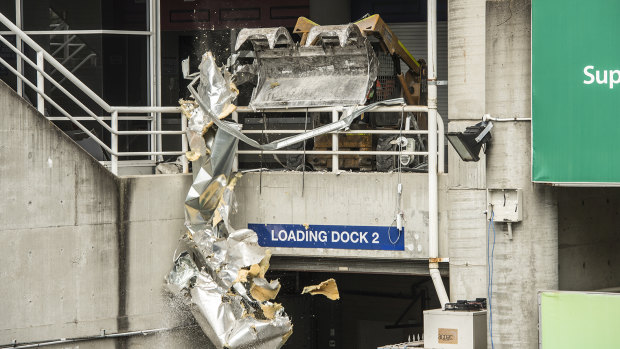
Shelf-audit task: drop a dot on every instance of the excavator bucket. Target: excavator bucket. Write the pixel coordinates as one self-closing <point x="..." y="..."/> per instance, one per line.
<point x="336" y="66"/>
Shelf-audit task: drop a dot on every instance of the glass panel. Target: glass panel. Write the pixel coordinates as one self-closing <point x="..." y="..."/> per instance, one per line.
<point x="85" y="15"/>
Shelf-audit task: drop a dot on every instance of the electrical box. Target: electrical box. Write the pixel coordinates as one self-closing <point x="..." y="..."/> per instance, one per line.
<point x="506" y="205"/>
<point x="445" y="329"/>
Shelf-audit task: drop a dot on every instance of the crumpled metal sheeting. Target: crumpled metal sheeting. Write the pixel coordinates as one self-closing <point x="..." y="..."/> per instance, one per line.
<point x="215" y="87"/>
<point x="229" y="325"/>
<point x="212" y="254"/>
<point x="183" y="273"/>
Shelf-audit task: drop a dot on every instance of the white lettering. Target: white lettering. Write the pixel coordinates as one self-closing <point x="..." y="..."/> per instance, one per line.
<point x="344" y="236"/>
<point x="273" y="235"/>
<point x="598" y="78"/>
<point x="312" y="236"/>
<point x="355" y="237"/>
<point x="375" y="238"/>
<point x="363" y="239"/>
<point x="335" y="236"/>
<point x="291" y="236"/>
<point x="323" y="236"/>
<point x="612" y="80"/>
<point x="300" y="235"/>
<point x="282" y="235"/>
<point x="588" y="74"/>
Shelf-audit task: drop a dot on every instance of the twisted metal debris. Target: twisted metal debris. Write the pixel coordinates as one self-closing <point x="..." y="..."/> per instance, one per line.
<point x="218" y="270"/>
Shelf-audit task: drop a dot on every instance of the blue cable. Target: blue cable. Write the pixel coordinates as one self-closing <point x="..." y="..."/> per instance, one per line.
<point x="490" y="274"/>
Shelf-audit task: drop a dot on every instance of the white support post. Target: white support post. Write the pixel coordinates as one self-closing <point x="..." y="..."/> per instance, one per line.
<point x="157" y="49"/>
<point x="19" y="46"/>
<point x="235" y="167"/>
<point x="433" y="219"/>
<point x="441" y="145"/>
<point x="184" y="146"/>
<point x="335" y="144"/>
<point x="40" y="83"/>
<point x="114" y="143"/>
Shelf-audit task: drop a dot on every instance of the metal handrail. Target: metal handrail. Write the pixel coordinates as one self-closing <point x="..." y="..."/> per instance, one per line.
<point x="335" y="152"/>
<point x="43" y="56"/>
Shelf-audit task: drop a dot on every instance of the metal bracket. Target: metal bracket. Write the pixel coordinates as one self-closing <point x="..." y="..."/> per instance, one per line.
<point x="437" y="82"/>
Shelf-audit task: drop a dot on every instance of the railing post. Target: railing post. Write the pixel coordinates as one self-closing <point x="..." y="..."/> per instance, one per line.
<point x="40" y="83"/>
<point x="184" y="143"/>
<point x="19" y="46"/>
<point x="235" y="168"/>
<point x="114" y="142"/>
<point x="152" y="138"/>
<point x="159" y="136"/>
<point x="335" y="144"/>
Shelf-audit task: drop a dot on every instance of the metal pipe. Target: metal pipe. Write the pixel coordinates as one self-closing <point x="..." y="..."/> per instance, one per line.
<point x="487" y="117"/>
<point x="18" y="43"/>
<point x="377" y="109"/>
<point x="103" y="335"/>
<point x="433" y="220"/>
<point x="157" y="45"/>
<point x="80" y="32"/>
<point x="114" y="143"/>
<point x="40" y="83"/>
<point x="104" y="118"/>
<point x="149" y="153"/>
<point x="441" y="168"/>
<point x="146" y="109"/>
<point x="439" y="287"/>
<point x="332" y="152"/>
<point x="184" y="145"/>
<point x="375" y="132"/>
<point x="335" y="163"/>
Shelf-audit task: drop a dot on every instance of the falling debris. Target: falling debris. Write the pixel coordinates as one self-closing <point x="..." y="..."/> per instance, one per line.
<point x="219" y="270"/>
<point x="328" y="288"/>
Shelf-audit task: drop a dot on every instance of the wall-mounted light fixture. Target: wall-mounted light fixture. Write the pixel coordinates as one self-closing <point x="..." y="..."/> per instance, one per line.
<point x="468" y="144"/>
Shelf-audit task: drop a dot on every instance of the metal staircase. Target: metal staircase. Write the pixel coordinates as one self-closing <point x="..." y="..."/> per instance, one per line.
<point x="54" y="71"/>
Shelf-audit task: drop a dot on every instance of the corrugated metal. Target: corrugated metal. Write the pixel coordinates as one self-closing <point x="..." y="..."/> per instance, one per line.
<point x="413" y="37"/>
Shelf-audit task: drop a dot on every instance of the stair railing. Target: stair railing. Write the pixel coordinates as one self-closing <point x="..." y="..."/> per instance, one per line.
<point x="43" y="57"/>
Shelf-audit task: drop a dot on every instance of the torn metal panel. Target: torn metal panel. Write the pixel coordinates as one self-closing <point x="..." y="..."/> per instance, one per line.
<point x="216" y="87"/>
<point x="336" y="67"/>
<point x="216" y="266"/>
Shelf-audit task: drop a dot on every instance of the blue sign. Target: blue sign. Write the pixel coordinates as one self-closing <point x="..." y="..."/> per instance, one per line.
<point x="348" y="237"/>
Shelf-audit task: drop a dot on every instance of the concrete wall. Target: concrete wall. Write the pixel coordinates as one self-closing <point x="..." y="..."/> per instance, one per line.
<point x="490" y="73"/>
<point x="529" y="262"/>
<point x="81" y="249"/>
<point x="344" y="199"/>
<point x="589" y="238"/>
<point x="466" y="181"/>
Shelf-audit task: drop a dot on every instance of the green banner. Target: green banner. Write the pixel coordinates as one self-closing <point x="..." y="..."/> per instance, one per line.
<point x="576" y="91"/>
<point x="579" y="320"/>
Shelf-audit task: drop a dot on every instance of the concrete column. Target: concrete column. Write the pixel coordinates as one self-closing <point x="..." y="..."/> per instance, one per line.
<point x="466" y="181"/>
<point x="529" y="262"/>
